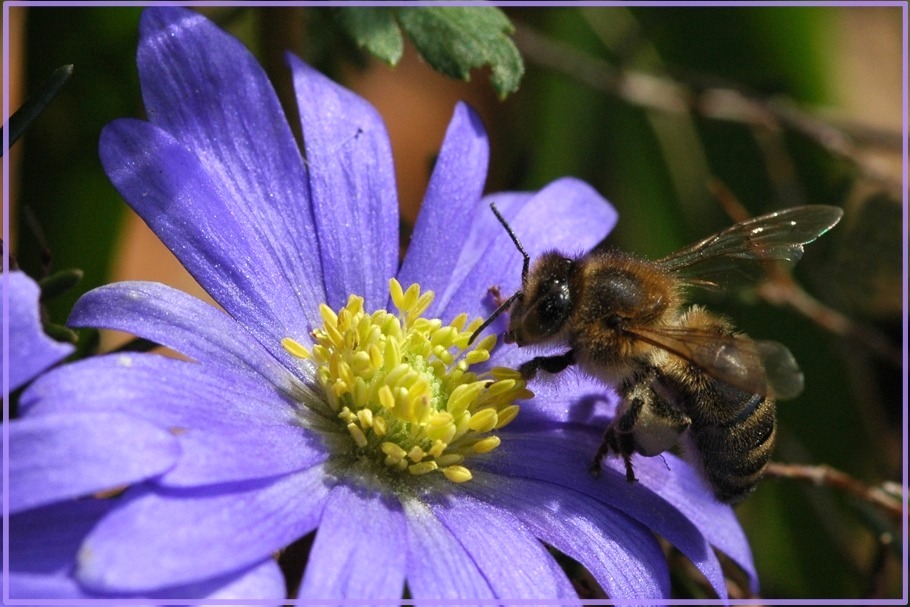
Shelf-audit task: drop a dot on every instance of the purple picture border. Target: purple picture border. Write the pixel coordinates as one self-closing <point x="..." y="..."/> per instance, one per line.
<point x="903" y="4"/>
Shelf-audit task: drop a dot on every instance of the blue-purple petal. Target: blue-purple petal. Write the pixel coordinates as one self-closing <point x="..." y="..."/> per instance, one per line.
<point x="621" y="553"/>
<point x="229" y="427"/>
<point x="585" y="404"/>
<point x="57" y="457"/>
<point x="438" y="565"/>
<point x="352" y="183"/>
<point x="259" y="582"/>
<point x="681" y="485"/>
<point x="171" y="190"/>
<point x="179" y="321"/>
<point x="360" y="547"/>
<point x="562" y="457"/>
<point x="514" y="562"/>
<point x="161" y="537"/>
<point x="202" y="86"/>
<point x="43" y="544"/>
<point x="450" y="206"/>
<point x="31" y="351"/>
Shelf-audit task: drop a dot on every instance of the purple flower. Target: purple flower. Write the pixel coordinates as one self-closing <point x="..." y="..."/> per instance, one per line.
<point x="55" y="458"/>
<point x="31" y="351"/>
<point x="308" y="406"/>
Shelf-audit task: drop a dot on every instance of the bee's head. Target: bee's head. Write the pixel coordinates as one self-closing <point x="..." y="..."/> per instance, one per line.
<point x="545" y="301"/>
<point x="540" y="308"/>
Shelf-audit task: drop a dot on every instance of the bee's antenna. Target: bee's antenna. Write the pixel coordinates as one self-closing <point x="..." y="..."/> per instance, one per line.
<point x="502" y="308"/>
<point x="526" y="261"/>
<point x="526" y="258"/>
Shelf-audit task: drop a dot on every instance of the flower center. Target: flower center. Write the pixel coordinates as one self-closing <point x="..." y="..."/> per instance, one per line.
<point x="402" y="385"/>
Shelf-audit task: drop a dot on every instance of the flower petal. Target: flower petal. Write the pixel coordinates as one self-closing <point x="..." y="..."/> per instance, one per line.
<point x="229" y="427"/>
<point x="260" y="582"/>
<point x="172" y="192"/>
<point x="201" y="85"/>
<point x="57" y="457"/>
<point x="438" y="565"/>
<point x="621" y="554"/>
<point x="43" y="544"/>
<point x="164" y="537"/>
<point x="31" y="351"/>
<point x="516" y="565"/>
<point x="450" y="205"/>
<point x="567" y="215"/>
<point x="360" y="548"/>
<point x="179" y="321"/>
<point x="562" y="457"/>
<point x="355" y="203"/>
<point x="584" y="403"/>
<point x="683" y="487"/>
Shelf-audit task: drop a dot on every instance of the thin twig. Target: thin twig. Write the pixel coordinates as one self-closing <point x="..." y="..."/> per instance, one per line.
<point x="826" y="476"/>
<point x="664" y="94"/>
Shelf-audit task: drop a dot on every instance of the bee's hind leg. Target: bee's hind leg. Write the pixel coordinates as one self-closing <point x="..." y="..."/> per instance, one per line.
<point x="619" y="438"/>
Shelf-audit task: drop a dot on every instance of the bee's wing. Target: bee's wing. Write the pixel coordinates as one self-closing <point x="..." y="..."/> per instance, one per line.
<point x="760" y="367"/>
<point x="733" y="256"/>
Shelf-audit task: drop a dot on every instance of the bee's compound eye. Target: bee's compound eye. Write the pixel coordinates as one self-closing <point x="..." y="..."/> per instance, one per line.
<point x="553" y="306"/>
<point x="549" y="311"/>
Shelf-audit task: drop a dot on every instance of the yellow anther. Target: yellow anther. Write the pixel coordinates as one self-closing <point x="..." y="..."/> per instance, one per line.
<point x="422" y="467"/>
<point x="457" y="474"/>
<point x="438" y="448"/>
<point x="357" y="434"/>
<point x="483" y="420"/>
<point x="329" y="318"/>
<point x="506" y="415"/>
<point x="295" y="348"/>
<point x="416" y="454"/>
<point x="459" y="321"/>
<point x="386" y="398"/>
<point x="361" y="363"/>
<point x="502" y="386"/>
<point x="375" y="355"/>
<point x="365" y="417"/>
<point x="486" y="445"/>
<point x="393" y="450"/>
<point x="404" y="388"/>
<point x="449" y="459"/>
<point x="397" y="293"/>
<point x="463" y="396"/>
<point x="476" y="356"/>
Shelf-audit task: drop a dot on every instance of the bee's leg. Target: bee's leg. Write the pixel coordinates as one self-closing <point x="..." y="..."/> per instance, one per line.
<point x="550" y="364"/>
<point x="496" y="295"/>
<point x="619" y="438"/>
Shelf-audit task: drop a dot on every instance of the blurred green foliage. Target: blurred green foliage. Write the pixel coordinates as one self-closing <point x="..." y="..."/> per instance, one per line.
<point x="809" y="542"/>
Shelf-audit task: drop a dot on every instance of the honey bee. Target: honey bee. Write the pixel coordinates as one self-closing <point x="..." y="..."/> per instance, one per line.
<point x="679" y="369"/>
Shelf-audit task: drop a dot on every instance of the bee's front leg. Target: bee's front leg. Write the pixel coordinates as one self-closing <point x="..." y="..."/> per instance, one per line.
<point x="550" y="364"/>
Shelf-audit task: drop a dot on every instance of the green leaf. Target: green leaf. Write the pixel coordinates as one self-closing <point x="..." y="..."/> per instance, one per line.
<point x="35" y="104"/>
<point x="456" y="39"/>
<point x="375" y="30"/>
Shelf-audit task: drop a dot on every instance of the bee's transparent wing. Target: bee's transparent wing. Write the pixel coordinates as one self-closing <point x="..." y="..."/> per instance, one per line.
<point x="759" y="367"/>
<point x="734" y="256"/>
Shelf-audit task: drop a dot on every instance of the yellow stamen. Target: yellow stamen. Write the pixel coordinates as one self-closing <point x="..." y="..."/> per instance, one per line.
<point x="403" y="387"/>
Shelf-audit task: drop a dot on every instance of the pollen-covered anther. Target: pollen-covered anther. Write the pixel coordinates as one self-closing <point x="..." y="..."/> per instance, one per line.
<point x="403" y="388"/>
